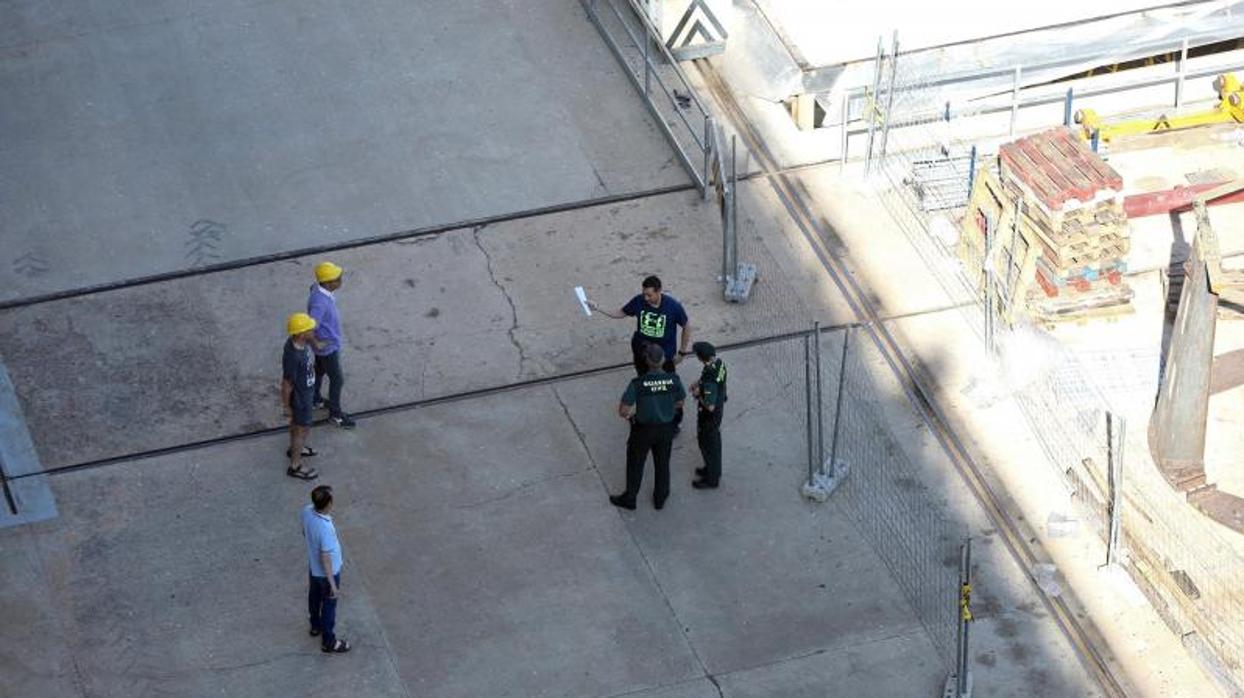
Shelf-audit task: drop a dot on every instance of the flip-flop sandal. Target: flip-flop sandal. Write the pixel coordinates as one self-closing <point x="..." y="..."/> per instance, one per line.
<point x="338" y="647"/>
<point x="302" y="473"/>
<point x="307" y="452"/>
<point x="315" y="632"/>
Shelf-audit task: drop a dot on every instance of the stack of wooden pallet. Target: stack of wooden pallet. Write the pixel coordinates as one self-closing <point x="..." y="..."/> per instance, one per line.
<point x="1067" y="205"/>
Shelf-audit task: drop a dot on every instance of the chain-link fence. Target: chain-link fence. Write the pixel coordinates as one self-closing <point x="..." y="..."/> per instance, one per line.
<point x="858" y="457"/>
<point x="922" y="158"/>
<point x="889" y="497"/>
<point x="851" y="441"/>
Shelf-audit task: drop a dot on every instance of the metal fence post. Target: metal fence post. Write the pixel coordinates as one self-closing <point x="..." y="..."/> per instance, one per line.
<point x="1179" y="74"/>
<point x="820" y="410"/>
<point x="889" y="98"/>
<point x="1116" y="433"/>
<point x="991" y="233"/>
<point x="1015" y="97"/>
<point x="734" y="203"/>
<point x="846" y="117"/>
<point x="647" y="65"/>
<point x="959" y="684"/>
<point x="971" y="170"/>
<point x="732" y="270"/>
<point x="822" y="479"/>
<point x="708" y="129"/>
<point x="873" y="111"/>
<point x="807" y="385"/>
<point x="842" y="382"/>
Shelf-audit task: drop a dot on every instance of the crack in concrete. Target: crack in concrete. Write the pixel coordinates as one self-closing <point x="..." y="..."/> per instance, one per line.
<point x="248" y="665"/>
<point x="652" y="574"/>
<point x="577" y="431"/>
<point x="713" y="680"/>
<point x="600" y="180"/>
<point x="746" y="411"/>
<point x="79" y="681"/>
<point x="591" y="459"/>
<point x="522" y="487"/>
<point x="423" y="379"/>
<point x="522" y="353"/>
<point x="194" y="671"/>
<point x="370" y="613"/>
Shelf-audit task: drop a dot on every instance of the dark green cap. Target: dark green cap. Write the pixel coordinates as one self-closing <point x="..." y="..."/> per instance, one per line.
<point x="704" y="350"/>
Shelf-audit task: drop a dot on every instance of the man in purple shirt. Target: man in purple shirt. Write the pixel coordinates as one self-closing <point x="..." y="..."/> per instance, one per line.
<point x="322" y="306"/>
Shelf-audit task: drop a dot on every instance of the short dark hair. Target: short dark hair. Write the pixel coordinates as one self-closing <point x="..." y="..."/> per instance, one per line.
<point x="322" y="497"/>
<point x="704" y="351"/>
<point x="654" y="355"/>
<point x="653" y="283"/>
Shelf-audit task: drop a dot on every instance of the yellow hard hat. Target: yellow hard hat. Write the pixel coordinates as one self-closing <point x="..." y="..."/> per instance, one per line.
<point x="327" y="271"/>
<point x="299" y="323"/>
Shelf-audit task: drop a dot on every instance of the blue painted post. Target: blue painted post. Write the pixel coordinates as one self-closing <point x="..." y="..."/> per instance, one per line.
<point x="1067" y="108"/>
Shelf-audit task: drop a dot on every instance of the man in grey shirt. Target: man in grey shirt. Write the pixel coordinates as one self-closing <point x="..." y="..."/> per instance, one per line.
<point x="324" y="560"/>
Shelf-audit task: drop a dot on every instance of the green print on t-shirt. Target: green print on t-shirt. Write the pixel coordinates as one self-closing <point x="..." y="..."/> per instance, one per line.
<point x="652" y="324"/>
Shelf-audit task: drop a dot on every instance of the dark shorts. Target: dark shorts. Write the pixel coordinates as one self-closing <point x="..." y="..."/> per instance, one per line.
<point x="301" y="410"/>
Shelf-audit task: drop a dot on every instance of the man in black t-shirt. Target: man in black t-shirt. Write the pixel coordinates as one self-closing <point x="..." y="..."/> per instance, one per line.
<point x="658" y="316"/>
<point x="298" y="391"/>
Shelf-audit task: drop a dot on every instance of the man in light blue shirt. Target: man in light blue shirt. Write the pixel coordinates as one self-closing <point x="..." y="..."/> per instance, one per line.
<point x="324" y="561"/>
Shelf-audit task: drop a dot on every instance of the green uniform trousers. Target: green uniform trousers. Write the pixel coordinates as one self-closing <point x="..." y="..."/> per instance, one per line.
<point x="659" y="439"/>
<point x="708" y="436"/>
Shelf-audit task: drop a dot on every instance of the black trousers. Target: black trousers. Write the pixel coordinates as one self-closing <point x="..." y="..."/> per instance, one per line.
<point x="659" y="439"/>
<point x="330" y="365"/>
<point x="638" y="343"/>
<point x="708" y="436"/>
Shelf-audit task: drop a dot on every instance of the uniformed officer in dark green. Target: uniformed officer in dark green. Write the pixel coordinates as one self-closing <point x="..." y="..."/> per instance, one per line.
<point x="710" y="394"/>
<point x="649" y="403"/>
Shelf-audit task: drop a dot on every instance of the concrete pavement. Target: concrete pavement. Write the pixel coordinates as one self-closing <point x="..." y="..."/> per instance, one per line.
<point x="478" y="568"/>
<point x="149" y="137"/>
<point x="483" y="557"/>
<point x="472" y="567"/>
<point x="197" y="358"/>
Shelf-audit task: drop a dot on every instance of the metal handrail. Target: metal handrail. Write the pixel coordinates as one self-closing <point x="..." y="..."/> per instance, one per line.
<point x="1057" y="94"/>
<point x="1045" y="95"/>
<point x="669" y="57"/>
<point x="1134" y="51"/>
<point x="642" y="80"/>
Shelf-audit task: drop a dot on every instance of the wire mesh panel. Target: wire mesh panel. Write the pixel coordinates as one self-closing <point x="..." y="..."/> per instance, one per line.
<point x="1065" y="414"/>
<point x="922" y="169"/>
<point x="888" y="497"/>
<point x="1189" y="567"/>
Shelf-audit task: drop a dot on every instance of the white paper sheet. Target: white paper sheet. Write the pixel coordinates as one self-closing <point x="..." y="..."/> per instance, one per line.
<point x="582" y="296"/>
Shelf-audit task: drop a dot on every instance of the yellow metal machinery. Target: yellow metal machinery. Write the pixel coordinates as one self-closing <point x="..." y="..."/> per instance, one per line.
<point x="1230" y="108"/>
